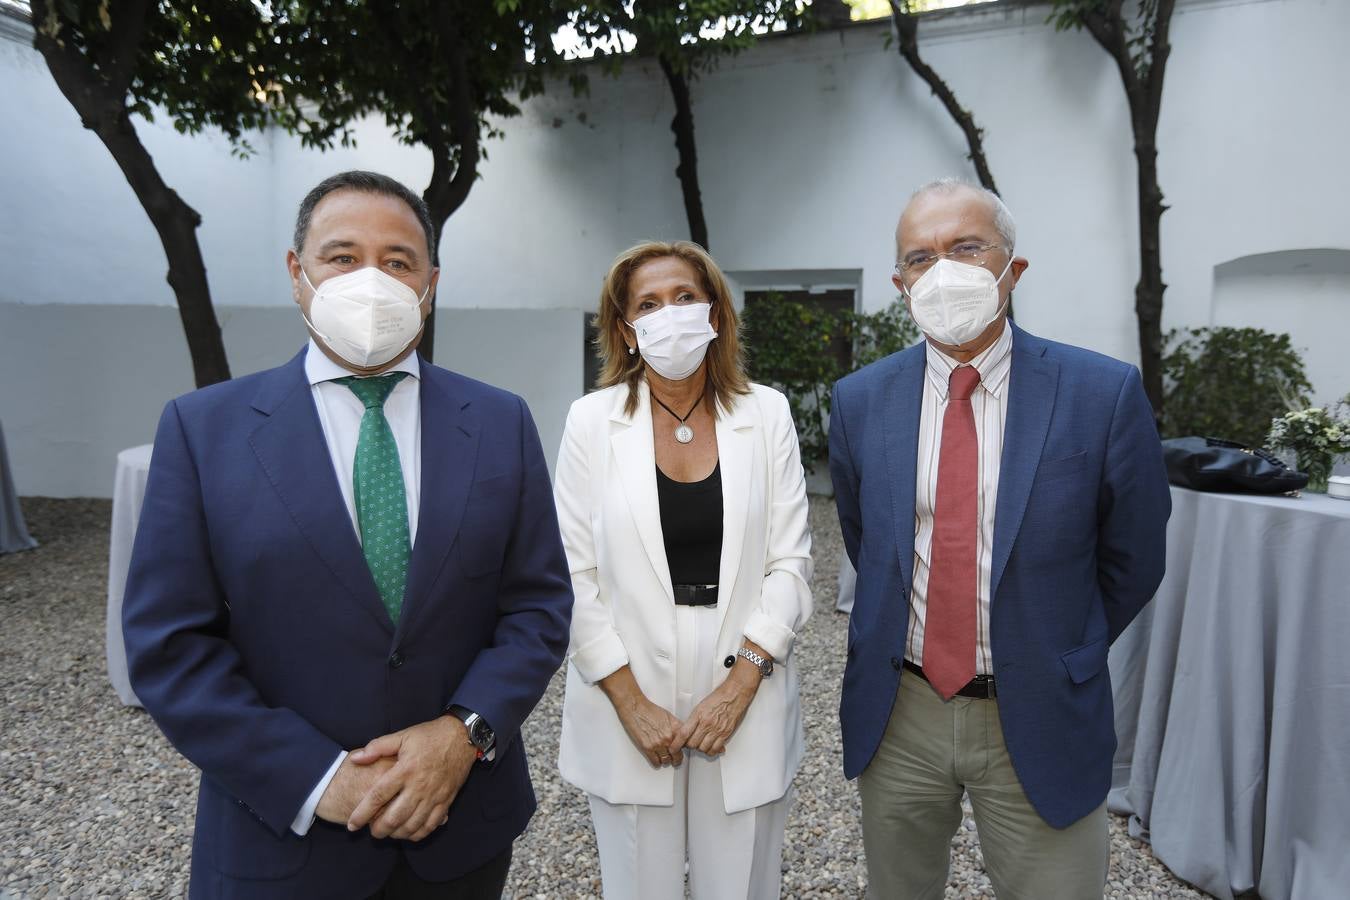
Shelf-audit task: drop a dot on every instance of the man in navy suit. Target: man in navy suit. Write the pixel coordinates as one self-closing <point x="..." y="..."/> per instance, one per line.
<point x="348" y="589"/>
<point x="1004" y="501"/>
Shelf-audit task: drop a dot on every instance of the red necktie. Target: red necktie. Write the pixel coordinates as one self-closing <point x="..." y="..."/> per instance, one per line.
<point x="953" y="579"/>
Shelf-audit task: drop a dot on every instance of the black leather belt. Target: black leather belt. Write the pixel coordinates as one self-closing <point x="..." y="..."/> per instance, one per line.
<point x="981" y="687"/>
<point x="695" y="594"/>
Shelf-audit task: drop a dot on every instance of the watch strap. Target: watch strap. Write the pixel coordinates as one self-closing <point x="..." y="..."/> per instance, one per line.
<point x="764" y="664"/>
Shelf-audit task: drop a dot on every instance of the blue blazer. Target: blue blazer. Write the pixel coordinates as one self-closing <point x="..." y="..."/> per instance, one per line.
<point x="257" y="640"/>
<point x="1079" y="546"/>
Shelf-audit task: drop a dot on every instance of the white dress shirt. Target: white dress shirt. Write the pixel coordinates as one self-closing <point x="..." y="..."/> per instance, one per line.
<point x="989" y="403"/>
<point x="340" y="413"/>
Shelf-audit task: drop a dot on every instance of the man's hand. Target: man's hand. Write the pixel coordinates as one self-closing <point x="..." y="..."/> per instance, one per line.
<point x="719" y="714"/>
<point x="350" y="783"/>
<point x="652" y="728"/>
<point x="412" y="798"/>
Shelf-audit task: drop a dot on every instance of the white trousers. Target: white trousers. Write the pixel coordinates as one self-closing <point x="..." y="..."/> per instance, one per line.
<point x="644" y="849"/>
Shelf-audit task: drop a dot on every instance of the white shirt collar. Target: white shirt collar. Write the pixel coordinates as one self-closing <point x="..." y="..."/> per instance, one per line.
<point x="993" y="364"/>
<point x="319" y="368"/>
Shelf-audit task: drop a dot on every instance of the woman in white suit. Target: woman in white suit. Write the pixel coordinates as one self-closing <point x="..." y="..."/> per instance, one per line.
<point x="682" y="503"/>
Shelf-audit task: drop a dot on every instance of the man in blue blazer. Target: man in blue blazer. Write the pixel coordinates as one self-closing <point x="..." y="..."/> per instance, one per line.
<point x="1004" y="501"/>
<point x="348" y="589"/>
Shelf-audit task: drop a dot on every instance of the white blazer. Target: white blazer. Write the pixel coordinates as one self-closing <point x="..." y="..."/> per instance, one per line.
<point x="605" y="489"/>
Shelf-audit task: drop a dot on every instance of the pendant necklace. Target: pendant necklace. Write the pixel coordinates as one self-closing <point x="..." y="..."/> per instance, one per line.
<point x="684" y="434"/>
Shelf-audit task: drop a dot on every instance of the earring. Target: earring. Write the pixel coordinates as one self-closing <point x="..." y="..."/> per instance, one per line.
<point x="632" y="350"/>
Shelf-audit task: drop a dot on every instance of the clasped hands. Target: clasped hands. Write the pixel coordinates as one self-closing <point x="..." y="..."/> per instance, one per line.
<point x="401" y="784"/>
<point x="660" y="735"/>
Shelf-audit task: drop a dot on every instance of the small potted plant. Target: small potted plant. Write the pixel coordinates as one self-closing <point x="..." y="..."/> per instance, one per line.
<point x="1318" y="436"/>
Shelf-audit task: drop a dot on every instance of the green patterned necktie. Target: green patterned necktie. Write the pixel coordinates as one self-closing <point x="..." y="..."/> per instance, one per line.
<point x="377" y="487"/>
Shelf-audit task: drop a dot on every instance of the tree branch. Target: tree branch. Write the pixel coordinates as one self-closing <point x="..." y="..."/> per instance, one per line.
<point x="463" y="119"/>
<point x="687" y="169"/>
<point x="129" y="21"/>
<point x="907" y="28"/>
<point x="1160" y="48"/>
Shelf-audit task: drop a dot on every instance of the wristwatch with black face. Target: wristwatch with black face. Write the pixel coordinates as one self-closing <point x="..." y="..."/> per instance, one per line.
<point x="481" y="735"/>
<point x="764" y="664"/>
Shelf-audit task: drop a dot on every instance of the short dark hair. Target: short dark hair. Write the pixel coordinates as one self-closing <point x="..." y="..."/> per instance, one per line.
<point x="370" y="183"/>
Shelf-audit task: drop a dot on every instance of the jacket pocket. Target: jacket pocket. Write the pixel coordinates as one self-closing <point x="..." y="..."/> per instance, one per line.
<point x="246" y="848"/>
<point x="1083" y="663"/>
<point x="1050" y="469"/>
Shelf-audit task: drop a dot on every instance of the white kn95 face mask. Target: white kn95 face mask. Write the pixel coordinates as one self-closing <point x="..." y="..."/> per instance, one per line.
<point x="367" y="317"/>
<point x="953" y="302"/>
<point x="674" y="340"/>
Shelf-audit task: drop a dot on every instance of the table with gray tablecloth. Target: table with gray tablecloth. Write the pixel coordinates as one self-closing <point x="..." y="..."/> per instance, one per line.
<point x="14" y="534"/>
<point x="133" y="465"/>
<point x="1232" y="695"/>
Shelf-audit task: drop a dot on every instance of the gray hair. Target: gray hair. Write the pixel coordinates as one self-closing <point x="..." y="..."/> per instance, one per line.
<point x="1003" y="219"/>
<point x="370" y="183"/>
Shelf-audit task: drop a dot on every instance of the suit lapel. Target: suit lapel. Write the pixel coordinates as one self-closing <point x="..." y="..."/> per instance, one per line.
<point x="736" y="438"/>
<point x="450" y="438"/>
<point x="635" y="458"/>
<point x="904" y="404"/>
<point x="291" y="449"/>
<point x="1032" y="384"/>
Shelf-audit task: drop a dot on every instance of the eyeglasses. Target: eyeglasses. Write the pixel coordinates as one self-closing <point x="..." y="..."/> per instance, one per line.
<point x="969" y="252"/>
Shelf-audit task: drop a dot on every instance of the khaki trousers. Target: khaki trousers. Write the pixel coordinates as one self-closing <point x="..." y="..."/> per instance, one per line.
<point x="933" y="752"/>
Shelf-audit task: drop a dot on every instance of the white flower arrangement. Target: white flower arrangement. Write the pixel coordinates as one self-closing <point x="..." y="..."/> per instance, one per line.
<point x="1318" y="435"/>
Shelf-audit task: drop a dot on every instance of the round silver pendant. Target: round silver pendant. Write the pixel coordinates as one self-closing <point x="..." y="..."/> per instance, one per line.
<point x="684" y="434"/>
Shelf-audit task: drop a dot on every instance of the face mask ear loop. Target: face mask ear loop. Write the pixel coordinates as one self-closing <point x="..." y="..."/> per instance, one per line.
<point x="315" y="291"/>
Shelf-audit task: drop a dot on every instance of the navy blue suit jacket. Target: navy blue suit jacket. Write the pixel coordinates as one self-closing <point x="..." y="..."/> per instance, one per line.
<point x="1079" y="546"/>
<point x="257" y="640"/>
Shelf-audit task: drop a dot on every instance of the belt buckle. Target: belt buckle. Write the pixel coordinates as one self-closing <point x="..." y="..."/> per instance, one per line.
<point x="982" y="686"/>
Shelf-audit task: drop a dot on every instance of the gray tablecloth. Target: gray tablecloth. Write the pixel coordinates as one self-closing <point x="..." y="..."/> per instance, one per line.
<point x="13" y="532"/>
<point x="1232" y="698"/>
<point x="133" y="465"/>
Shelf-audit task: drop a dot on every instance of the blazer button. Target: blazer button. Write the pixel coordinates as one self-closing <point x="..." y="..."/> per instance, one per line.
<point x="396" y="661"/>
<point x="729" y="661"/>
<point x="895" y="663"/>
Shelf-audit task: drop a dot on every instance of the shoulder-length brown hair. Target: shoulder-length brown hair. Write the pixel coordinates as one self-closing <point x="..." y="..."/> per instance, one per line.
<point x="726" y="365"/>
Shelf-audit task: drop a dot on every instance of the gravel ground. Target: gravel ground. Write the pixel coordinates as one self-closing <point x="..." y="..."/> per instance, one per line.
<point x="95" y="803"/>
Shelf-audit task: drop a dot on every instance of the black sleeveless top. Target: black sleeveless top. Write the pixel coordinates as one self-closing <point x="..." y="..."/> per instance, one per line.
<point x="691" y="523"/>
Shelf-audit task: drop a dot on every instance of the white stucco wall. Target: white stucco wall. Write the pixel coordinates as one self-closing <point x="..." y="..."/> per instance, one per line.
<point x="808" y="147"/>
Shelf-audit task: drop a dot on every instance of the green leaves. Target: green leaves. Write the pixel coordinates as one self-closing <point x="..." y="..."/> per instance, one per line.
<point x="802" y="350"/>
<point x="691" y="36"/>
<point x="1230" y="383"/>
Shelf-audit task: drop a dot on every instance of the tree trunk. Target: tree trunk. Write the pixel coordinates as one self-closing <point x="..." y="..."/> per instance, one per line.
<point x="907" y="29"/>
<point x="101" y="104"/>
<point x="1148" y="293"/>
<point x="451" y="178"/>
<point x="687" y="170"/>
<point x="1143" y="84"/>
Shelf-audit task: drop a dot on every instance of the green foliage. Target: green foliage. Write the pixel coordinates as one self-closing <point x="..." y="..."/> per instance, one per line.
<point x="421" y="64"/>
<point x="208" y="63"/>
<point x="792" y="347"/>
<point x="691" y="36"/>
<point x="1134" y="25"/>
<point x="1230" y="383"/>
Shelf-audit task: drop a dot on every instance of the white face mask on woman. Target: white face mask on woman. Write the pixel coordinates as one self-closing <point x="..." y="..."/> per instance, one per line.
<point x="674" y="339"/>
<point x="367" y="317"/>
<point x="954" y="303"/>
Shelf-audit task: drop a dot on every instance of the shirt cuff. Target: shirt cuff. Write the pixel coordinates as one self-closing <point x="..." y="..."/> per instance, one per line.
<point x="305" y="818"/>
<point x="603" y="656"/>
<point x="772" y="636"/>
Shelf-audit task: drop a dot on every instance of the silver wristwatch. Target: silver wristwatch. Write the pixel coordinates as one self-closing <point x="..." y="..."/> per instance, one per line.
<point x="764" y="665"/>
<point x="481" y="735"/>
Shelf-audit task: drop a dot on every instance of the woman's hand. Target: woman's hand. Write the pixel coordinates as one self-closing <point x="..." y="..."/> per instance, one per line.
<point x="718" y="715"/>
<point x="651" y="728"/>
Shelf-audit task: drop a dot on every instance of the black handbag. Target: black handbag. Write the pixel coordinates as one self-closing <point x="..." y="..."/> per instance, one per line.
<point x="1213" y="464"/>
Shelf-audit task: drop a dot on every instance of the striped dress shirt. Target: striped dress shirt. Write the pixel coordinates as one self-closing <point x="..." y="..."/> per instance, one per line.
<point x="989" y="403"/>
